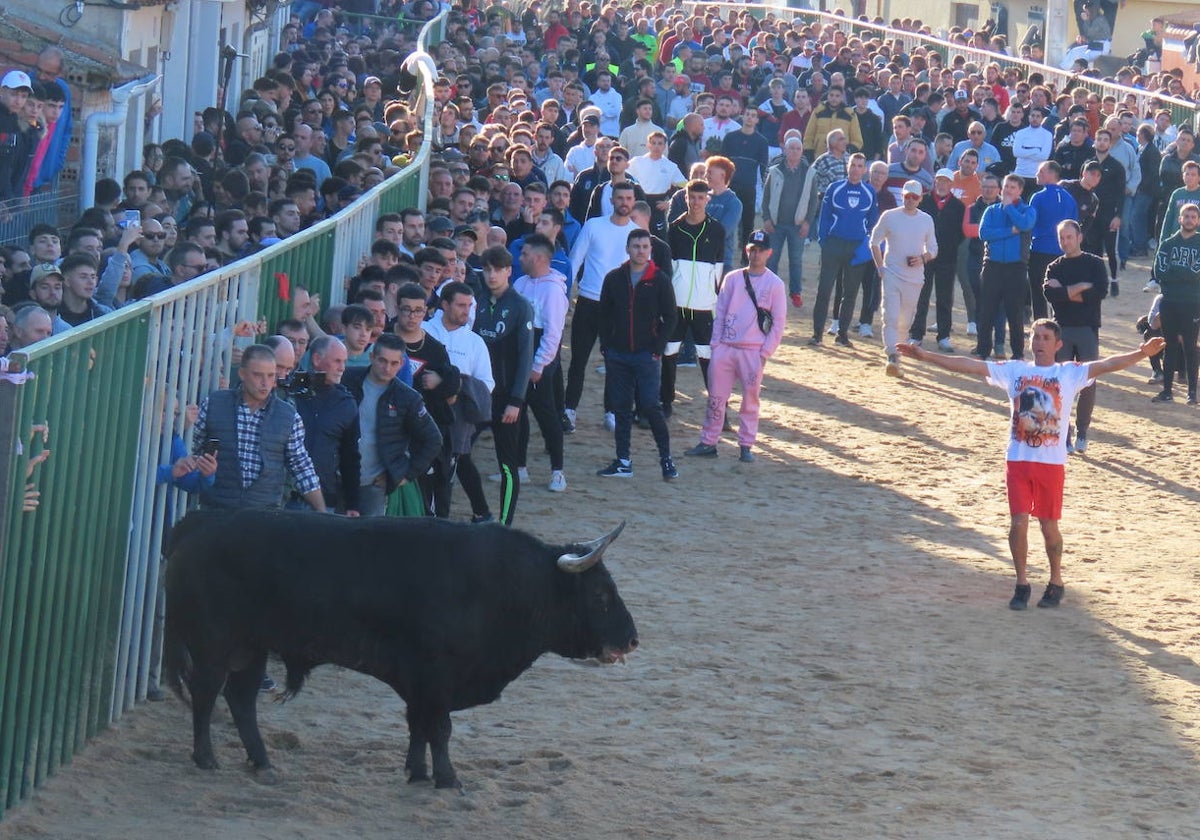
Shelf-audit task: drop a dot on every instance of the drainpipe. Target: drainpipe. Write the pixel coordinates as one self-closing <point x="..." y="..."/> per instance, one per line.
<point x="121" y="97"/>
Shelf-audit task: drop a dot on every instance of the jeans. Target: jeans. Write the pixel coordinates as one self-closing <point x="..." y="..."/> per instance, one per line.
<point x="1139" y="223"/>
<point x="749" y="198"/>
<point x="372" y="500"/>
<point x="1123" y="235"/>
<point x="1179" y="328"/>
<point x="585" y="327"/>
<point x="1003" y="288"/>
<point x="788" y="235"/>
<point x="836" y="254"/>
<point x="871" y="294"/>
<point x="1038" y="263"/>
<point x="635" y="376"/>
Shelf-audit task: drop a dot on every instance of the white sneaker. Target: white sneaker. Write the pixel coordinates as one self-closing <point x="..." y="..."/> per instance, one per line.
<point x="971" y="328"/>
<point x="833" y="327"/>
<point x="570" y="412"/>
<point x="558" y="482"/>
<point x="1152" y="286"/>
<point x="865" y="331"/>
<point x="610" y="421"/>
<point x="600" y="368"/>
<point x="945" y="346"/>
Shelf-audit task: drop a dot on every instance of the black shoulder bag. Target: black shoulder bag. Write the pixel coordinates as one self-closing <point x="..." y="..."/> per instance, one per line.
<point x="765" y="319"/>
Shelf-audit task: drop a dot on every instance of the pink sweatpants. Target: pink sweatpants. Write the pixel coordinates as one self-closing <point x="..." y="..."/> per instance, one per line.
<point x="729" y="365"/>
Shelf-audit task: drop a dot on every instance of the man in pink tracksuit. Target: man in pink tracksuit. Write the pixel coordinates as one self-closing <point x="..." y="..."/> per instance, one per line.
<point x="740" y="348"/>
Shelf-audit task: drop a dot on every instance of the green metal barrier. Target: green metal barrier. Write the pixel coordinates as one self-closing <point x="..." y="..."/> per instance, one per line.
<point x="60" y="594"/>
<point x="79" y="573"/>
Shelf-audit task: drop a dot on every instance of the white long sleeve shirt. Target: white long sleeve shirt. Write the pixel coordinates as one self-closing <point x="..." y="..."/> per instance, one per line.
<point x="599" y="248"/>
<point x="466" y="349"/>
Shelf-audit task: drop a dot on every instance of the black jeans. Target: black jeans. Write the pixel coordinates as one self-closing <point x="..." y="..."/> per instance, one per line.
<point x="939" y="277"/>
<point x="699" y="324"/>
<point x="1180" y="328"/>
<point x="585" y="327"/>
<point x="748" y="197"/>
<point x="1003" y="286"/>
<point x="635" y="376"/>
<point x="836" y="254"/>
<point x="1038" y="263"/>
<point x="872" y="293"/>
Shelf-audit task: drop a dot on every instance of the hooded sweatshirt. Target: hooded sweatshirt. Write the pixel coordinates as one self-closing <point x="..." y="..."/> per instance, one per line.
<point x="548" y="296"/>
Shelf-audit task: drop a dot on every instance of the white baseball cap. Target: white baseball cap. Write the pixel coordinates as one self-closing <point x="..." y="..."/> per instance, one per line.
<point x="913" y="188"/>
<point x="15" y="80"/>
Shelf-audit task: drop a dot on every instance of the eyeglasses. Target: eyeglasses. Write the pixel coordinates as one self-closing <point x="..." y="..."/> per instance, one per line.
<point x="342" y="85"/>
<point x="154" y="236"/>
<point x="616" y="158"/>
<point x="410" y="311"/>
<point x="975" y="132"/>
<point x="460" y="171"/>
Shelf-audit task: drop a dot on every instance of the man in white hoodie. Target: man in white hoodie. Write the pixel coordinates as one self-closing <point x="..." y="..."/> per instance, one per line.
<point x="546" y="290"/>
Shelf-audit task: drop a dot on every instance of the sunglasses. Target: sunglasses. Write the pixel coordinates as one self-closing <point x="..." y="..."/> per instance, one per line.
<point x="154" y="236"/>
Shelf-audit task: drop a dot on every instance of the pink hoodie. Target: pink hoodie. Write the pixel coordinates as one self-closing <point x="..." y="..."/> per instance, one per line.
<point x="548" y="296"/>
<point x="736" y="320"/>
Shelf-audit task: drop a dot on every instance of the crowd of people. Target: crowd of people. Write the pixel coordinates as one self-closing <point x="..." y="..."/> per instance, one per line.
<point x="632" y="175"/>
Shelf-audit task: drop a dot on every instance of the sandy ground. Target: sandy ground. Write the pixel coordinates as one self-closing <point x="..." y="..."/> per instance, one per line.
<point x="826" y="649"/>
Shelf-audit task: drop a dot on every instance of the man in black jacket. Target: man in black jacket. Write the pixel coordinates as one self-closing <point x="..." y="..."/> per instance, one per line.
<point x="504" y="320"/>
<point x="1073" y="152"/>
<point x="637" y="313"/>
<point x="437" y="380"/>
<point x="398" y="439"/>
<point x="330" y="418"/>
<point x="16" y="146"/>
<point x="947" y="212"/>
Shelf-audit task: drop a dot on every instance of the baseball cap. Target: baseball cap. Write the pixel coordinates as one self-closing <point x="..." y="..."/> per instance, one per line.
<point x="439" y="224"/>
<point x="591" y="119"/>
<point x="44" y="270"/>
<point x="944" y="173"/>
<point x="348" y="193"/>
<point x="912" y="188"/>
<point x="15" y="80"/>
<point x="466" y="230"/>
<point x="758" y="239"/>
<point x="372" y="80"/>
<point x="960" y="94"/>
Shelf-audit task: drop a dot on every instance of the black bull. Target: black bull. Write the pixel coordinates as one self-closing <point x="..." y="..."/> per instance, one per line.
<point x="447" y="614"/>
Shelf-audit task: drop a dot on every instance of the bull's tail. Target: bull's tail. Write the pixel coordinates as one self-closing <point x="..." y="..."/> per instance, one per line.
<point x="176" y="663"/>
<point x="297" y="672"/>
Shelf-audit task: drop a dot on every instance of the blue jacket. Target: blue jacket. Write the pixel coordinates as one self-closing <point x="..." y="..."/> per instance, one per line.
<point x="56" y="153"/>
<point x="996" y="231"/>
<point x="727" y="209"/>
<point x="848" y="211"/>
<point x="1052" y="204"/>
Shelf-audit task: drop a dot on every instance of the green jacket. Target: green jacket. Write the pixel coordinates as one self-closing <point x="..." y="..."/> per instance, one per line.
<point x="1177" y="268"/>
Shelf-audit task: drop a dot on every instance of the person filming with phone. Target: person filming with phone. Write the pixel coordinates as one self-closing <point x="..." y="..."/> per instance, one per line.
<point x="261" y="441"/>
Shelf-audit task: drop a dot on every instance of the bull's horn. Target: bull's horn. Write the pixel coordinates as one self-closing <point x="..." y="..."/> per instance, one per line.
<point x="590" y="553"/>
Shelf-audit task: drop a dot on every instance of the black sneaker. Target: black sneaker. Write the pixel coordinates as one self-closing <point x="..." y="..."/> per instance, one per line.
<point x="482" y="518"/>
<point x="1114" y="290"/>
<point x="617" y="469"/>
<point x="268" y="684"/>
<point x="1162" y="397"/>
<point x="815" y="341"/>
<point x="568" y="425"/>
<point x="745" y="455"/>
<point x="668" y="469"/>
<point x="1191" y="400"/>
<point x="842" y="341"/>
<point x="702" y="450"/>
<point x="1020" y="598"/>
<point x="1052" y="597"/>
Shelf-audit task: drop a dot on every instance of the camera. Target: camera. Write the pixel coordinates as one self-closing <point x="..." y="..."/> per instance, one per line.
<point x="301" y="383"/>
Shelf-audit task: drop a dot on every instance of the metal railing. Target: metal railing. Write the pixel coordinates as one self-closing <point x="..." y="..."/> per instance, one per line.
<point x="19" y="215"/>
<point x="79" y="574"/>
<point x="1182" y="110"/>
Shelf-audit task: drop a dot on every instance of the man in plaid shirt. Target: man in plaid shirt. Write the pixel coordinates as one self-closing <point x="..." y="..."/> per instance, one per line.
<point x="260" y="441"/>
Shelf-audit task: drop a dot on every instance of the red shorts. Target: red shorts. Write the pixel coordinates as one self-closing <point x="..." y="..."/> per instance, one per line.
<point x="1035" y="489"/>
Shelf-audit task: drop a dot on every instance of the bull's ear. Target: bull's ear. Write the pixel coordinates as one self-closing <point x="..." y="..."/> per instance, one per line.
<point x="590" y="552"/>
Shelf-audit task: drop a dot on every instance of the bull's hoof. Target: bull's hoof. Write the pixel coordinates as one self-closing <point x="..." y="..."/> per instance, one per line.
<point x="266" y="775"/>
<point x="205" y="761"/>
